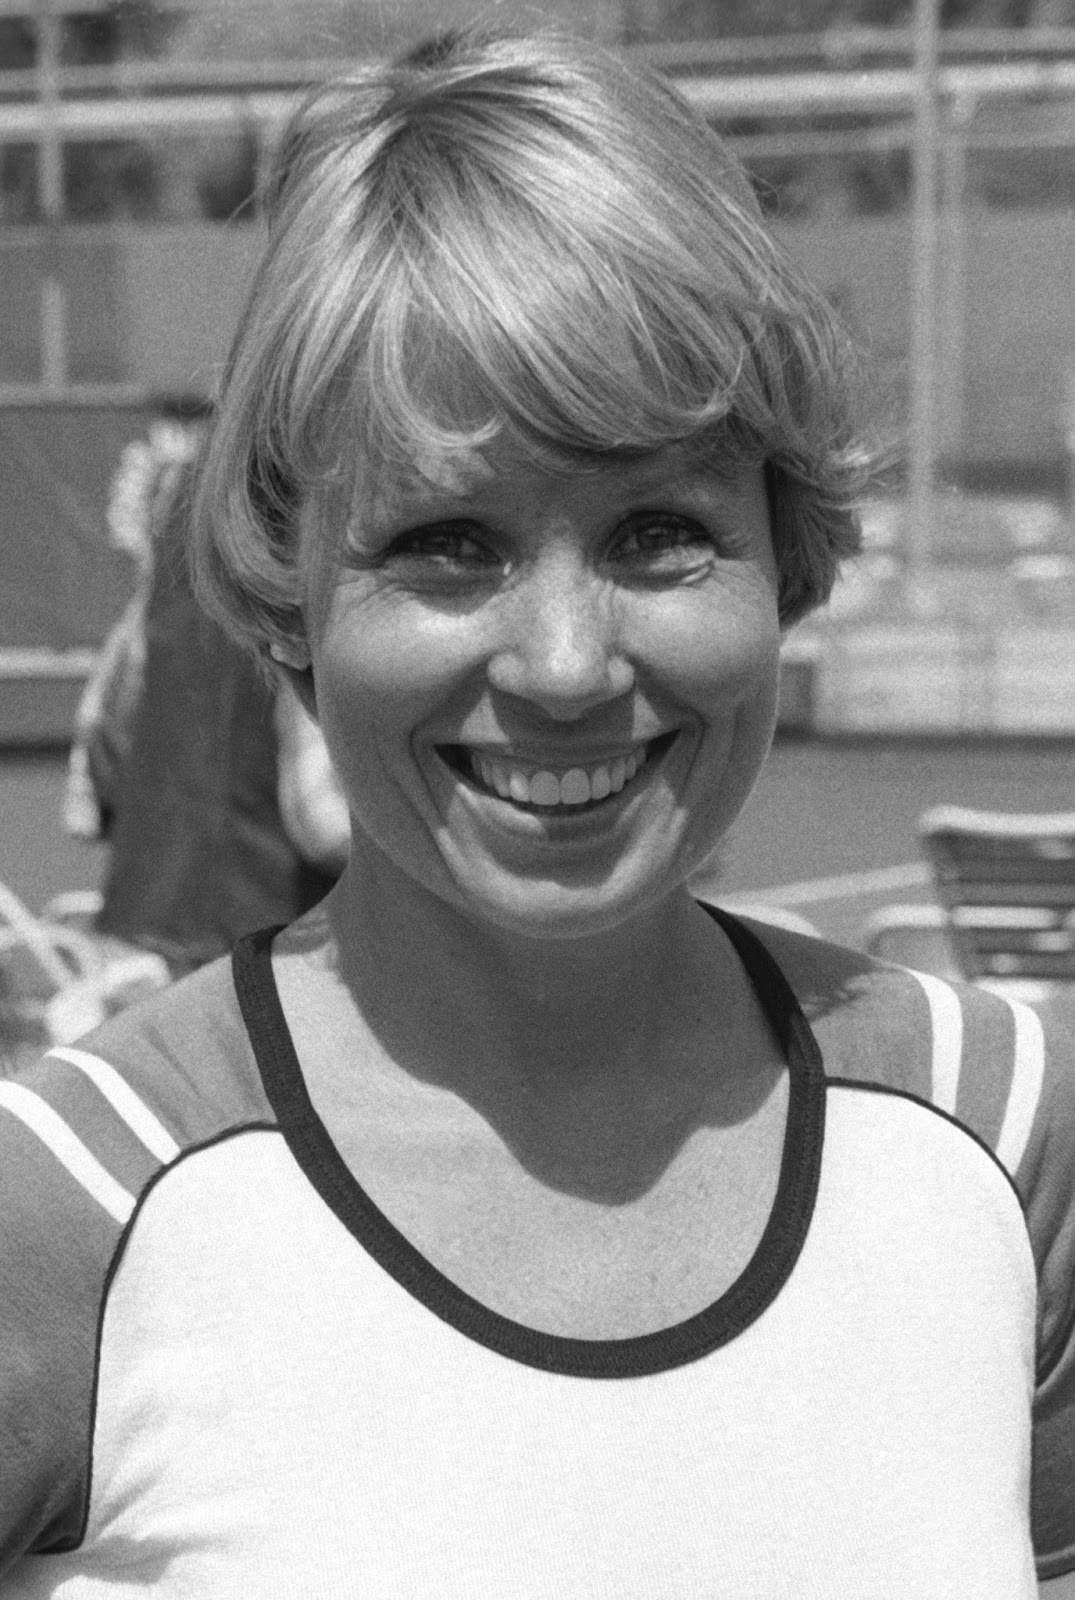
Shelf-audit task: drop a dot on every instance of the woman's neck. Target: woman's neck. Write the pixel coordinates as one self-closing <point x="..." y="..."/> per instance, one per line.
<point x="429" y="979"/>
<point x="592" y="1060"/>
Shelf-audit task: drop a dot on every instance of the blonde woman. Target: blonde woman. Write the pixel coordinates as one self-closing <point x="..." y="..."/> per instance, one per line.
<point x="513" y="1225"/>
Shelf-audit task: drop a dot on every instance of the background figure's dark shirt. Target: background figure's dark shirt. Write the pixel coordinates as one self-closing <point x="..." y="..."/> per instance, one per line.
<point x="199" y="853"/>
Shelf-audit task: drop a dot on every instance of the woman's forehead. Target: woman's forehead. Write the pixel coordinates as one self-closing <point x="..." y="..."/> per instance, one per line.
<point x="467" y="474"/>
<point x="384" y="487"/>
<point x="456" y="472"/>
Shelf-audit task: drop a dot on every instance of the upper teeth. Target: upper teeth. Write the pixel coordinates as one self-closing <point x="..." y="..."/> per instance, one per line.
<point x="574" y="787"/>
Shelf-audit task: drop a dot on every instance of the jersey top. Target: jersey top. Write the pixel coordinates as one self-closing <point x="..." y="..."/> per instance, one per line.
<point x="224" y="1373"/>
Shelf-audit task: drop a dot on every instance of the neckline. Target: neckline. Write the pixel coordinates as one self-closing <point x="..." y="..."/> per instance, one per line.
<point x="741" y="1304"/>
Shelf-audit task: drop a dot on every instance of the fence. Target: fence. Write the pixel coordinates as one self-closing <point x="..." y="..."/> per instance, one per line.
<point x="99" y="315"/>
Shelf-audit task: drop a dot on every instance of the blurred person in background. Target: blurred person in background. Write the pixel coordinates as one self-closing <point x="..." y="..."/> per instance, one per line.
<point x="512" y="1223"/>
<point x="209" y="781"/>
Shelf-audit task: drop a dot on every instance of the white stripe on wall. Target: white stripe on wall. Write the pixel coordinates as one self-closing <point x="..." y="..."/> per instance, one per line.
<point x="123" y="1100"/>
<point x="946" y="1017"/>
<point x="68" y="1149"/>
<point x="1025" y="1094"/>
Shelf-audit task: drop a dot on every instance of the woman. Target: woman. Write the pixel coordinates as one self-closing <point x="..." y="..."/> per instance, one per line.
<point x="505" y="1227"/>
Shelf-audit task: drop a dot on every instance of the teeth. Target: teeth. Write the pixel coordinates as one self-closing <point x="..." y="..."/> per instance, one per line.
<point x="493" y="777"/>
<point x="544" y="789"/>
<point x="500" y="779"/>
<point x="600" y="784"/>
<point x="575" y="787"/>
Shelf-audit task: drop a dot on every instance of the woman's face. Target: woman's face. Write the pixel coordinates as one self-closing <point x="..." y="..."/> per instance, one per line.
<point x="548" y="695"/>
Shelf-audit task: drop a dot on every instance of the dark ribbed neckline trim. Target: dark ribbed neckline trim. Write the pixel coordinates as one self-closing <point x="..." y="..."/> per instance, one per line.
<point x="717" y="1324"/>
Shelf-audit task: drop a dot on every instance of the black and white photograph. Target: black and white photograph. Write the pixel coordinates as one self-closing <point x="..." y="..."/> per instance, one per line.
<point x="537" y="799"/>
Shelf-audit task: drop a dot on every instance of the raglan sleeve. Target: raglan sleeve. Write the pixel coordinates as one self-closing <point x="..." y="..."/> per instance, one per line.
<point x="1045" y="1177"/>
<point x="56" y="1243"/>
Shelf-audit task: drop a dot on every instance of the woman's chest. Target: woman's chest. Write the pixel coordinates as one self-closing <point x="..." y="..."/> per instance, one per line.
<point x="599" y="1249"/>
<point x="277" y="1411"/>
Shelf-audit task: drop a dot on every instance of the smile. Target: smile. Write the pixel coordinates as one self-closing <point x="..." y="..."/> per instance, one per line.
<point x="550" y="788"/>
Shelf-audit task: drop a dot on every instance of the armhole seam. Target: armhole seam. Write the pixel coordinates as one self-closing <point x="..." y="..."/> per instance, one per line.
<point x="65" y="1546"/>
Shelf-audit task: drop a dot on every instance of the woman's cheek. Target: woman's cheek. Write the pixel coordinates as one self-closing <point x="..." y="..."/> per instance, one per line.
<point x="373" y="644"/>
<point x="717" y="653"/>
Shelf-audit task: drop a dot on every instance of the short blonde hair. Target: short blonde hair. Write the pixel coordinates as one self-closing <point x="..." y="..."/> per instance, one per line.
<point x="523" y="237"/>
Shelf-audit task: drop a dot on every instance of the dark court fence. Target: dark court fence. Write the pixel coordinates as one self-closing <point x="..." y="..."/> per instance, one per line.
<point x="62" y="584"/>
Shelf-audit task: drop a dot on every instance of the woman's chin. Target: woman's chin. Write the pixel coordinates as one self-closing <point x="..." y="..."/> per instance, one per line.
<point x="562" y="906"/>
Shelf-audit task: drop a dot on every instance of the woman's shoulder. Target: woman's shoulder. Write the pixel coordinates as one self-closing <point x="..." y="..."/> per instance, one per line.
<point x="999" y="1065"/>
<point x="96" y="1120"/>
<point x="187" y="1049"/>
<point x="85" y="1135"/>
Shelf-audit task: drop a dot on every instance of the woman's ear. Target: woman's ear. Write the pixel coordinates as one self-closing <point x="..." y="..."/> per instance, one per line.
<point x="293" y="654"/>
<point x="293" y="663"/>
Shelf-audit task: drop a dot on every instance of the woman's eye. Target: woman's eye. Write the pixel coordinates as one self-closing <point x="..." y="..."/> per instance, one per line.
<point x="443" y="549"/>
<point x="665" y="544"/>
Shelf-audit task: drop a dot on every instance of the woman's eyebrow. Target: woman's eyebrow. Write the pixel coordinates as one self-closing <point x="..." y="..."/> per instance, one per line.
<point x="421" y="503"/>
<point x="628" y="485"/>
<point x="696" y="483"/>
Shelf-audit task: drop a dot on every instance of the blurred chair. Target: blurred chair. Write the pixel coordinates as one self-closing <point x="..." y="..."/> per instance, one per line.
<point x="58" y="979"/>
<point x="1006" y="887"/>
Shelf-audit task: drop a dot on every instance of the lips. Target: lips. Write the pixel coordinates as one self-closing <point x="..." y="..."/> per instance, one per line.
<point x="548" y="786"/>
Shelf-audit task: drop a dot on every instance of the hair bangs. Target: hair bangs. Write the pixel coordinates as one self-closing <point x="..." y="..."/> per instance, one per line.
<point x="574" y="347"/>
<point x="523" y="239"/>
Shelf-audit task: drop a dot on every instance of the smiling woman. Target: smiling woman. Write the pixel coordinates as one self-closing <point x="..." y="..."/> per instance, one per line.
<point x="548" y="690"/>
<point x="513" y="1224"/>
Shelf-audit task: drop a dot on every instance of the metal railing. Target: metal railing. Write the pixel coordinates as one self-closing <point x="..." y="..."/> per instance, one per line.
<point x="918" y="90"/>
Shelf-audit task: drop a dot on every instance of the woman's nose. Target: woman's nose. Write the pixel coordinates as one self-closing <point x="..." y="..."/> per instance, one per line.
<point x="559" y="647"/>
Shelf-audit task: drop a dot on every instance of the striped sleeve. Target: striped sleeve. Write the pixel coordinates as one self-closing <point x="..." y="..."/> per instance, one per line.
<point x="77" y="1147"/>
<point x="985" y="1063"/>
<point x="1005" y="1069"/>
<point x="1038" y="1137"/>
<point x="82" y="1137"/>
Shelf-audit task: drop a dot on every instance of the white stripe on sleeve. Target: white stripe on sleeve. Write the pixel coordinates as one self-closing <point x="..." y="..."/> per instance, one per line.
<point x="1024" y="1096"/>
<point x="946" y="1017"/>
<point x="68" y="1149"/>
<point x="123" y="1100"/>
